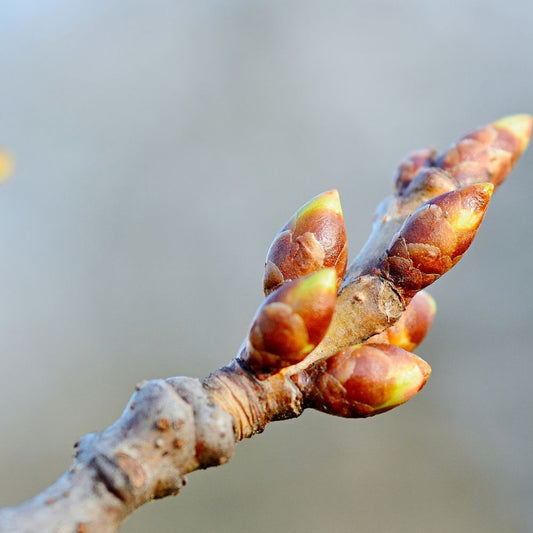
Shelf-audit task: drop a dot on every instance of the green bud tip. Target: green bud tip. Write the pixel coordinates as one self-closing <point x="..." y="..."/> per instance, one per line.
<point x="519" y="125"/>
<point x="328" y="201"/>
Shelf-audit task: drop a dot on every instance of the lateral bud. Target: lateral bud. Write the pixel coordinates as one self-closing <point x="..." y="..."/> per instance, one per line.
<point x="314" y="238"/>
<point x="290" y="323"/>
<point x="412" y="327"/>
<point x="488" y="153"/>
<point x="363" y="380"/>
<point x="434" y="238"/>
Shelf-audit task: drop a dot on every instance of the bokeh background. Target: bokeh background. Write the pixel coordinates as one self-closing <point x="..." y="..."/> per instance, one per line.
<point x="159" y="146"/>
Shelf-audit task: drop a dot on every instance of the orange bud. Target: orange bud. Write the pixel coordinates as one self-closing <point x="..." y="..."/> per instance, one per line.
<point x="314" y="238"/>
<point x="434" y="238"/>
<point x="363" y="380"/>
<point x="6" y="165"/>
<point x="291" y="322"/>
<point x="412" y="326"/>
<point x="488" y="153"/>
<point x="409" y="168"/>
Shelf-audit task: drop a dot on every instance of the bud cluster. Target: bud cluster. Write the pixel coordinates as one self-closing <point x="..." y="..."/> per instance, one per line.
<point x="304" y="268"/>
<point x="486" y="155"/>
<point x="314" y="238"/>
<point x="363" y="380"/>
<point x="302" y="330"/>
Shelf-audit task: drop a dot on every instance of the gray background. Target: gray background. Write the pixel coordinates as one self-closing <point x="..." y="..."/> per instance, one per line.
<point x="159" y="147"/>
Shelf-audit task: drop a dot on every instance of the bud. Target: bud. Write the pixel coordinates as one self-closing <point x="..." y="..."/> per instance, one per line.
<point x="363" y="380"/>
<point x="429" y="183"/>
<point x="434" y="238"/>
<point x="489" y="153"/>
<point x="314" y="238"/>
<point x="6" y="165"/>
<point x="514" y="133"/>
<point x="410" y="167"/>
<point x="291" y="322"/>
<point x="414" y="324"/>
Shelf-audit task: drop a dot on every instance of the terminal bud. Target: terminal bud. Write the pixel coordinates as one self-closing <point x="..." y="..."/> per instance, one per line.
<point x="363" y="380"/>
<point x="434" y="238"/>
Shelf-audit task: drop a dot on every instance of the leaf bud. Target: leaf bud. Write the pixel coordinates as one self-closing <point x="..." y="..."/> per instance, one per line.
<point x="314" y="238"/>
<point x="488" y="153"/>
<point x="291" y="322"/>
<point x="363" y="380"/>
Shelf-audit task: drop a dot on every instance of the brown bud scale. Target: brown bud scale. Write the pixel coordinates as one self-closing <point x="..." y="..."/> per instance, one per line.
<point x="364" y="380"/>
<point x="434" y="238"/>
<point x="488" y="153"/>
<point x="314" y="238"/>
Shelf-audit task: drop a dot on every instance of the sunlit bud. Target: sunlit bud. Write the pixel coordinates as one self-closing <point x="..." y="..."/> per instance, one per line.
<point x="363" y="380"/>
<point x="412" y="326"/>
<point x="314" y="238"/>
<point x="410" y="167"/>
<point x="488" y="153"/>
<point x="434" y="238"/>
<point x="291" y="322"/>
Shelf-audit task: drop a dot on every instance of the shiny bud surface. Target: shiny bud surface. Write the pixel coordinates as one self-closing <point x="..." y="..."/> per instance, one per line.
<point x="314" y="238"/>
<point x="366" y="379"/>
<point x="488" y="153"/>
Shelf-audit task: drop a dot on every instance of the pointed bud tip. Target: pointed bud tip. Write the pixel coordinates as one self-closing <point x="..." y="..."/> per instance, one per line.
<point x="324" y="279"/>
<point x="475" y="202"/>
<point x="300" y="292"/>
<point x="487" y="188"/>
<point x="519" y="125"/>
<point x="329" y="201"/>
<point x="409" y="381"/>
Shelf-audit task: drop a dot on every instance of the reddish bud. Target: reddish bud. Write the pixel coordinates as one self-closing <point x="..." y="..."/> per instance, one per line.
<point x="363" y="380"/>
<point x="409" y="168"/>
<point x="6" y="165"/>
<point x="412" y="326"/>
<point x="434" y="238"/>
<point x="291" y="322"/>
<point x="314" y="238"/>
<point x="488" y="153"/>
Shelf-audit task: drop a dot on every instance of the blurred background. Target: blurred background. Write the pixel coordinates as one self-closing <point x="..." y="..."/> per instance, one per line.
<point x="159" y="146"/>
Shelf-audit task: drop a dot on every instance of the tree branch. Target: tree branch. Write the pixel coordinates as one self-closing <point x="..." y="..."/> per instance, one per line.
<point x="307" y="348"/>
